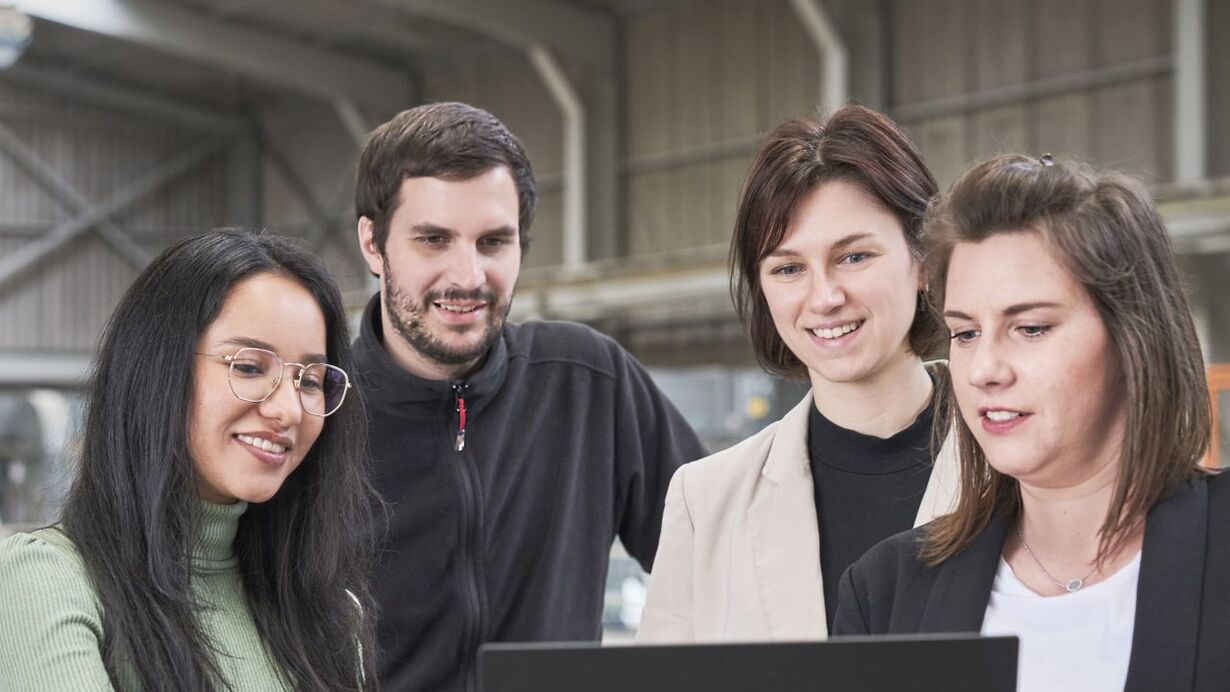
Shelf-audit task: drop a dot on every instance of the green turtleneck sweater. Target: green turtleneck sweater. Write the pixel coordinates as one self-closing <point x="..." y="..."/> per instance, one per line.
<point x="51" y="623"/>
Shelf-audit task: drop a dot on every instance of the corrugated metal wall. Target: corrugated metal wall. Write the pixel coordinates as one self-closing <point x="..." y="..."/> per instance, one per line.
<point x="1116" y="111"/>
<point x="704" y="79"/>
<point x="308" y="135"/>
<point x="700" y="81"/>
<point x="62" y="302"/>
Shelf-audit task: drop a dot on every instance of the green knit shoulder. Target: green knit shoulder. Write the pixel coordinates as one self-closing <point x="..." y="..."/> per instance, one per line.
<point x="50" y="620"/>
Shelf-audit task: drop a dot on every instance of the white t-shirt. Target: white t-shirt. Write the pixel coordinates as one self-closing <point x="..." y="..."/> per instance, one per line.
<point x="1077" y="641"/>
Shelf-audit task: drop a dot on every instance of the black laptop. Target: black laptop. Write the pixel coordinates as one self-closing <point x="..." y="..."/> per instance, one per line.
<point x="952" y="663"/>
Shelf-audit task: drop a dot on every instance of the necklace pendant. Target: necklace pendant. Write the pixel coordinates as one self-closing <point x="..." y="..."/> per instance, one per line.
<point x="1074" y="585"/>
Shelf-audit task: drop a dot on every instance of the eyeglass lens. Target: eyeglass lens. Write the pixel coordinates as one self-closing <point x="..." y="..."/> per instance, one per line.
<point x="255" y="373"/>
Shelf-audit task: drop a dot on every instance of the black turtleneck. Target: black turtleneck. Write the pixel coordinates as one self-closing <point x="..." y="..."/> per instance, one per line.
<point x="867" y="489"/>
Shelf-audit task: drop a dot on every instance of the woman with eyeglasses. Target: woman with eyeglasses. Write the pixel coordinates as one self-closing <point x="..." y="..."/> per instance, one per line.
<point x="1084" y="525"/>
<point x="216" y="534"/>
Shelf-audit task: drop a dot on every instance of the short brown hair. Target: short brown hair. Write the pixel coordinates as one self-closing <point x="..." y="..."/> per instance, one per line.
<point x="440" y="140"/>
<point x="1104" y="228"/>
<point x="857" y="145"/>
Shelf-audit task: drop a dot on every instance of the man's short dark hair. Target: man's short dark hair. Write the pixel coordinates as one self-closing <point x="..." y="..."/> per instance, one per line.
<point x="438" y="140"/>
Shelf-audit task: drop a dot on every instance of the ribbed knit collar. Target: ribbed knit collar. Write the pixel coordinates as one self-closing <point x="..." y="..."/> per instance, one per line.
<point x="385" y="383"/>
<point x="832" y="445"/>
<point x="215" y="544"/>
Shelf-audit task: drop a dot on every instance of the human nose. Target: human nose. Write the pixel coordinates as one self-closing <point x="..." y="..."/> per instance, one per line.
<point x="987" y="365"/>
<point x="825" y="293"/>
<point x="283" y="405"/>
<point x="465" y="267"/>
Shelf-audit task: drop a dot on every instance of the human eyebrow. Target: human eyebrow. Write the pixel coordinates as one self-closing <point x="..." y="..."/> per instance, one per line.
<point x="849" y="240"/>
<point x="247" y="342"/>
<point x="1019" y="308"/>
<point x="430" y="229"/>
<point x="1009" y="311"/>
<point x="501" y="231"/>
<point x="779" y="253"/>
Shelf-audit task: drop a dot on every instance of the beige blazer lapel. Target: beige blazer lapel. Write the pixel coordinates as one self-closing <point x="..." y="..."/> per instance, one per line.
<point x="784" y="536"/>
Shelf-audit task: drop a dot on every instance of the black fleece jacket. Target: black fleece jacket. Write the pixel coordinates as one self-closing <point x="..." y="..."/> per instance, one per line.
<point x="503" y="533"/>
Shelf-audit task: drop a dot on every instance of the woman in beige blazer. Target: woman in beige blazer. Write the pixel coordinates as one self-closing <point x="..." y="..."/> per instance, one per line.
<point x="826" y="262"/>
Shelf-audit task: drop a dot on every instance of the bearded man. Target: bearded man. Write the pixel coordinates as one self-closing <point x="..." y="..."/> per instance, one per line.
<point x="510" y="456"/>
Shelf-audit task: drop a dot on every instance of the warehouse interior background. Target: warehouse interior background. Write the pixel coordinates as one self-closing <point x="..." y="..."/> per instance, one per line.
<point x="127" y="124"/>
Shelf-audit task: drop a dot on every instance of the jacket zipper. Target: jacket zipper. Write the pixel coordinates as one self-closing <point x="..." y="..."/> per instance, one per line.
<point x="460" y="444"/>
<point x="471" y="531"/>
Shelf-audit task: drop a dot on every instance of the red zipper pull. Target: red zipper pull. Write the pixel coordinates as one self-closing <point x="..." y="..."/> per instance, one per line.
<point x="461" y="423"/>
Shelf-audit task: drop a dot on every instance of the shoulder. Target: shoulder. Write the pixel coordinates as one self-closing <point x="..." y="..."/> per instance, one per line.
<point x="891" y="559"/>
<point x="713" y="481"/>
<point x="44" y="583"/>
<point x="551" y="341"/>
<point x="1218" y="487"/>
<point x="890" y="569"/>
<point x="744" y="458"/>
<point x="886" y="589"/>
<point x="45" y="547"/>
<point x="1219" y="484"/>
<point x="51" y="629"/>
<point x="40" y="564"/>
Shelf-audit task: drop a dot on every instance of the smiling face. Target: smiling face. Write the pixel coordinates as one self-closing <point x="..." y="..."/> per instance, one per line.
<point x="842" y="286"/>
<point x="241" y="450"/>
<point x="448" y="270"/>
<point x="1031" y="361"/>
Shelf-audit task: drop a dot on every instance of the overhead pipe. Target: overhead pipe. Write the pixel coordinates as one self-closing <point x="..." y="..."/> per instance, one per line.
<point x="834" y="58"/>
<point x="573" y="112"/>
<point x="1190" y="127"/>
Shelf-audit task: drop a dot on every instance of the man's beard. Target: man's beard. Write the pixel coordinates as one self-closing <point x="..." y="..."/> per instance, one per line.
<point x="407" y="319"/>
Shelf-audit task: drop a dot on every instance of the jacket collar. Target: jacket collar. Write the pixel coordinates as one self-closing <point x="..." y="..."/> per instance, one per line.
<point x="1169" y="590"/>
<point x="785" y="533"/>
<point x="385" y="383"/>
<point x="787" y="459"/>
<point x="958" y="602"/>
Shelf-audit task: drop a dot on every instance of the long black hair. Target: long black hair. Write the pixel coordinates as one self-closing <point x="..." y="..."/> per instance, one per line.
<point x="132" y="511"/>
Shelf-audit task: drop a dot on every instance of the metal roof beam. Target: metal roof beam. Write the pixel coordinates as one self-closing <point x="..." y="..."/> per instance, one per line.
<point x="23" y="260"/>
<point x="572" y="33"/>
<point x="42" y="369"/>
<point x="322" y="74"/>
<point x="68" y="196"/>
<point x="76" y="86"/>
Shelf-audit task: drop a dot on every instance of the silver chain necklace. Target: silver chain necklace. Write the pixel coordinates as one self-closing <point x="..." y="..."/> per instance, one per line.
<point x="1071" y="585"/>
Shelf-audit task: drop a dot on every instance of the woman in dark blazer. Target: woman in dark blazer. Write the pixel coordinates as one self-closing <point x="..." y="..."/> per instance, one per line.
<point x="1084" y="524"/>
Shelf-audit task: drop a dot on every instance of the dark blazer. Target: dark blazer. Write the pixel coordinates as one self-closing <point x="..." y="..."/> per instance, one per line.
<point x="1181" y="637"/>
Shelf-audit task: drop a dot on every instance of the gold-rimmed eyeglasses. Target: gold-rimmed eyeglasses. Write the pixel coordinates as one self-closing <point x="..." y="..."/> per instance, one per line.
<point x="255" y="374"/>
